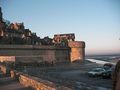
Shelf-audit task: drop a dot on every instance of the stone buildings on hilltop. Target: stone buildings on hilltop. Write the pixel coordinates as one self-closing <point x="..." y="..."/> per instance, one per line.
<point x="15" y="33"/>
<point x="63" y="39"/>
<point x="19" y="40"/>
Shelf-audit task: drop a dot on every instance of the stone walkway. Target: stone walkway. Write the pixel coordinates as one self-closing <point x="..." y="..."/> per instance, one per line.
<point x="7" y="83"/>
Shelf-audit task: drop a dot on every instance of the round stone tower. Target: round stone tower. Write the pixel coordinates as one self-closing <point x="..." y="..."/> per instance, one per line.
<point x="77" y="50"/>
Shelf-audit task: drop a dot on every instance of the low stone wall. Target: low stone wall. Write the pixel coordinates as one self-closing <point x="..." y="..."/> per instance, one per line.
<point x="40" y="84"/>
<point x="36" y="83"/>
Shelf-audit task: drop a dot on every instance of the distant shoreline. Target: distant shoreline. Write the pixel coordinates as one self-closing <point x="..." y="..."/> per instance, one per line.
<point x="100" y="61"/>
<point x="102" y="55"/>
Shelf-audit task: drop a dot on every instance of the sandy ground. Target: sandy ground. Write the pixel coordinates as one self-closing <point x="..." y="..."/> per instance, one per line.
<point x="71" y="75"/>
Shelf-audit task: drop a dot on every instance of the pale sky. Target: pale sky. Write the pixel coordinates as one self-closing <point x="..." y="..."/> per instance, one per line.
<point x="97" y="22"/>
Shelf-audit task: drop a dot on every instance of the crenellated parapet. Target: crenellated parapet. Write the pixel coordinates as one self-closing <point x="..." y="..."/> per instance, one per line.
<point x="77" y="44"/>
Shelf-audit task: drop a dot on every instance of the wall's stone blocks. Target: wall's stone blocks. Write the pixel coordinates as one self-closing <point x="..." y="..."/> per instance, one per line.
<point x="52" y="54"/>
<point x="39" y="84"/>
<point x="62" y="56"/>
<point x="77" y="50"/>
<point x="30" y="53"/>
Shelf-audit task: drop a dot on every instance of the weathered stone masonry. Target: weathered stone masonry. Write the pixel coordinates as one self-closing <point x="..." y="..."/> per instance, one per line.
<point x="77" y="50"/>
<point x="30" y="53"/>
<point x="21" y="45"/>
<point x="37" y="53"/>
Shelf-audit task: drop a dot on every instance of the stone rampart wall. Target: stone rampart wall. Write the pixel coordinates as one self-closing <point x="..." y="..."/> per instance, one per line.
<point x="35" y="53"/>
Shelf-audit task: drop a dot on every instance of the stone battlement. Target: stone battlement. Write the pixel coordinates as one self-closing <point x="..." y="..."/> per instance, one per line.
<point x="79" y="44"/>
